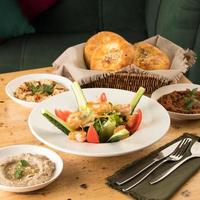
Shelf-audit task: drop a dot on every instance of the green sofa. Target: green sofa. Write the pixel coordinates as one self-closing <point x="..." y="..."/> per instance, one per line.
<point x="70" y="22"/>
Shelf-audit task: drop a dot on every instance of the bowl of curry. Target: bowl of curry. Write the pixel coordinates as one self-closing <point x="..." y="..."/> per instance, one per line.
<point x="182" y="101"/>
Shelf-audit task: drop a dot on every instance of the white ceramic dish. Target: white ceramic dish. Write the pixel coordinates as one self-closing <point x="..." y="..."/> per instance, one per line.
<point x="178" y="87"/>
<point x="12" y="85"/>
<point x="155" y="124"/>
<point x="18" y="149"/>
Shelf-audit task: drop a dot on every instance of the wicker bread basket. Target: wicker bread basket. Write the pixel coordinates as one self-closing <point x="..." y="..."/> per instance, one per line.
<point x="71" y="63"/>
<point x="126" y="81"/>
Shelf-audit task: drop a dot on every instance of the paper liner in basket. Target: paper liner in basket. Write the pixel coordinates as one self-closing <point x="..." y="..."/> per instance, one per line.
<point x="71" y="64"/>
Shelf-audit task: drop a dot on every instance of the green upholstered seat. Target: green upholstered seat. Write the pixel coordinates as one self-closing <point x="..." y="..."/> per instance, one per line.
<point x="37" y="50"/>
<point x="178" y="21"/>
<point x="70" y="22"/>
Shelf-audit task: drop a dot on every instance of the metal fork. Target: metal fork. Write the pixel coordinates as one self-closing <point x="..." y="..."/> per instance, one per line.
<point x="176" y="155"/>
<point x="195" y="152"/>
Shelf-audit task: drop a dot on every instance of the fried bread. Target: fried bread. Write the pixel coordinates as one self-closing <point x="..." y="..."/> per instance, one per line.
<point x="149" y="57"/>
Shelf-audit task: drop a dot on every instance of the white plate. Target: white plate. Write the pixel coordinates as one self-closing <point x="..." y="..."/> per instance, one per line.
<point x="155" y="124"/>
<point x="178" y="87"/>
<point x="12" y="86"/>
<point x="18" y="149"/>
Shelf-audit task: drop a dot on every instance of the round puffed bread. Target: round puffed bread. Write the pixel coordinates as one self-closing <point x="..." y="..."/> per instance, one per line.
<point x="107" y="51"/>
<point x="112" y="56"/>
<point x="96" y="40"/>
<point x="149" y="57"/>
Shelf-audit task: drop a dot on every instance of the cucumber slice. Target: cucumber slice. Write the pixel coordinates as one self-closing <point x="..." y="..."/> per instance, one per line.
<point x="107" y="132"/>
<point x="122" y="134"/>
<point x="80" y="98"/>
<point x="56" y="121"/>
<point x="136" y="98"/>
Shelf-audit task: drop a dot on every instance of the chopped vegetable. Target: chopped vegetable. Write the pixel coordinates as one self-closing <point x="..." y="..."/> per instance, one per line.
<point x="136" y="98"/>
<point x="62" y="114"/>
<point x="108" y="130"/>
<point x="92" y="135"/>
<point x="134" y="121"/>
<point x="56" y="121"/>
<point x="106" y="124"/>
<point x="80" y="98"/>
<point x="122" y="134"/>
<point x="98" y="125"/>
<point x="97" y="122"/>
<point x="116" y="117"/>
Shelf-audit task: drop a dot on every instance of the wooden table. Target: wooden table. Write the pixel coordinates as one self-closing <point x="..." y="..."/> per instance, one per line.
<point x="80" y="170"/>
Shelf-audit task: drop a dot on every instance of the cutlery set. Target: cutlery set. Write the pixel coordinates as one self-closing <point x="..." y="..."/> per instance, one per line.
<point x="173" y="153"/>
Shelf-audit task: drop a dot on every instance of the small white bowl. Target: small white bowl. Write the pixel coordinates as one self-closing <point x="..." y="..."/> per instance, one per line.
<point x="33" y="149"/>
<point x="178" y="87"/>
<point x="12" y="86"/>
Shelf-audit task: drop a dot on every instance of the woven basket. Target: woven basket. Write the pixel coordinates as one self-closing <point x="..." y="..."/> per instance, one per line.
<point x="126" y="81"/>
<point x="71" y="63"/>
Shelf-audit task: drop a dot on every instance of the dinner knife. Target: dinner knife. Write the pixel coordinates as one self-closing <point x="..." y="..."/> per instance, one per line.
<point x="161" y="155"/>
<point x="195" y="152"/>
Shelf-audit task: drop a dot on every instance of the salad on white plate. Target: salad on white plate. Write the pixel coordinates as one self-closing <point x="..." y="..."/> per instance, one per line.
<point x="98" y="121"/>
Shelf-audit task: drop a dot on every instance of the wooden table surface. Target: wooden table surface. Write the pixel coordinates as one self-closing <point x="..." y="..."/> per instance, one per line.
<point x="80" y="170"/>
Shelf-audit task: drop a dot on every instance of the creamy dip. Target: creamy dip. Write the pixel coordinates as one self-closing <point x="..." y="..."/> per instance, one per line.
<point x="26" y="170"/>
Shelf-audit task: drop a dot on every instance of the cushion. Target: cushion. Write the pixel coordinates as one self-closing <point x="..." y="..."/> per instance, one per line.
<point x="123" y="16"/>
<point x="176" y="20"/>
<point x="69" y="16"/>
<point x="23" y="48"/>
<point x="1" y="40"/>
<point x="33" y="8"/>
<point x="179" y="22"/>
<point x="194" y="72"/>
<point x="12" y="22"/>
<point x="151" y="15"/>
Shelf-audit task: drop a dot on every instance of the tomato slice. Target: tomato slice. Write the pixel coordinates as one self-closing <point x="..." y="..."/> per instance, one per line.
<point x="37" y="98"/>
<point x="134" y="121"/>
<point x="92" y="135"/>
<point x="103" y="97"/>
<point x="62" y="114"/>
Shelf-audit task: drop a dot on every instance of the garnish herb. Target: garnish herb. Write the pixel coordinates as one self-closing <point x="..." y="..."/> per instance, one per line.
<point x="47" y="89"/>
<point x="20" y="168"/>
<point x="18" y="173"/>
<point x="44" y="88"/>
<point x="24" y="163"/>
<point x="191" y="98"/>
<point x="193" y="92"/>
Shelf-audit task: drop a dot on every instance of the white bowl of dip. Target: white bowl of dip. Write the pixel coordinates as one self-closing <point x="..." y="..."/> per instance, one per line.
<point x="15" y="83"/>
<point x="10" y="152"/>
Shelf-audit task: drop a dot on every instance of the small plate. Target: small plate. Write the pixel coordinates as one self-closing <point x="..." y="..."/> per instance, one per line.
<point x="12" y="86"/>
<point x="155" y="123"/>
<point x="33" y="149"/>
<point x="178" y="87"/>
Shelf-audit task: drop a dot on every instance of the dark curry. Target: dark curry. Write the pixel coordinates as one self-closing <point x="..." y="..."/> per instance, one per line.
<point x="187" y="101"/>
